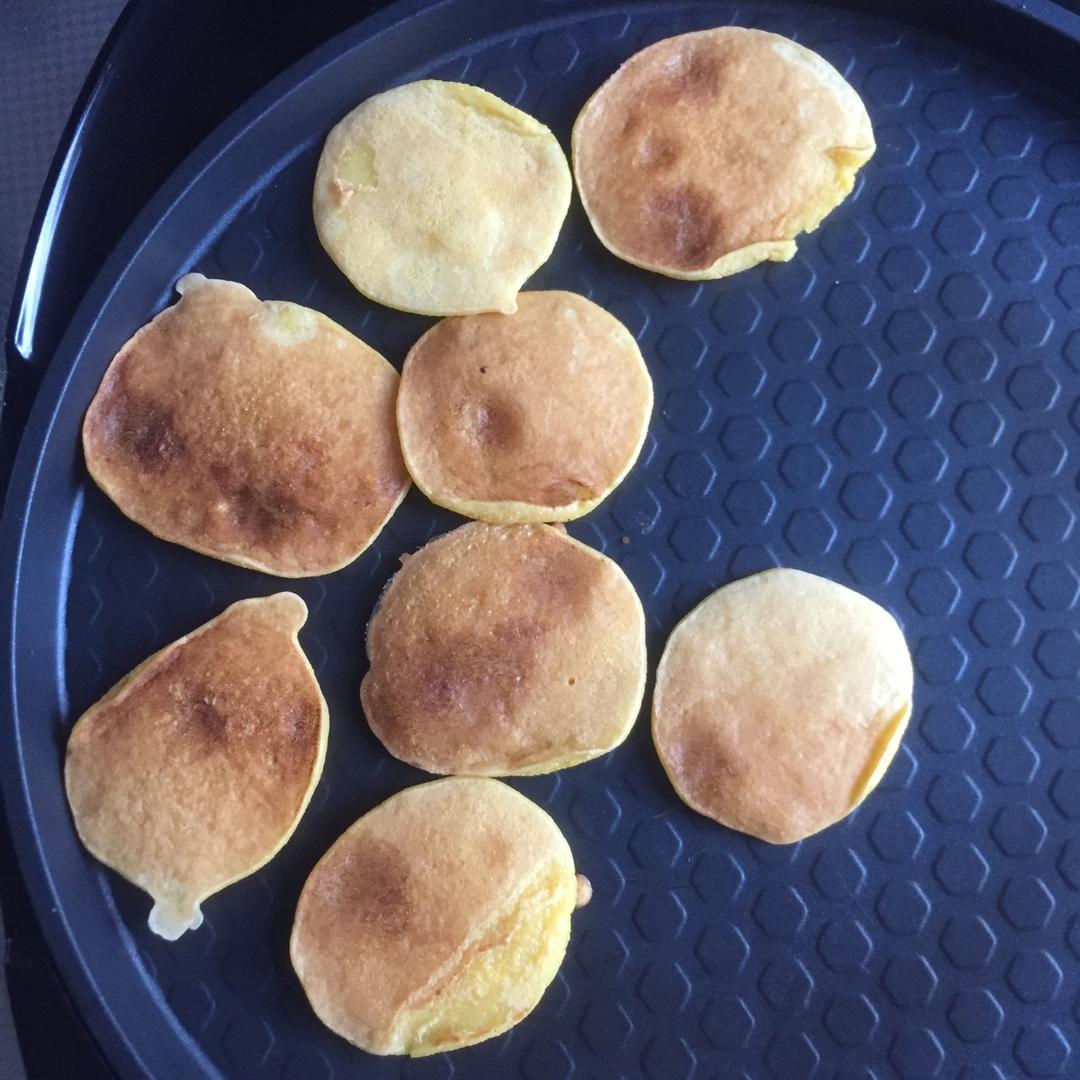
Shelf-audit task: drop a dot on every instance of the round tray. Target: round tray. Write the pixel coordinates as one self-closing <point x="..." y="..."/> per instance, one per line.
<point x="897" y="408"/>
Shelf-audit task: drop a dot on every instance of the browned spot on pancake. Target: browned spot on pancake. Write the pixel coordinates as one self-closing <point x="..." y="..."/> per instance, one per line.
<point x="391" y="484"/>
<point x="294" y="739"/>
<point x="149" y="434"/>
<point x="492" y="424"/>
<point x="207" y="721"/>
<point x="562" y="578"/>
<point x="301" y="723"/>
<point x="477" y="676"/>
<point x="142" y="429"/>
<point x="685" y="226"/>
<point x="370" y="887"/>
<point x="312" y="455"/>
<point x="261" y="507"/>
<point x="657" y="152"/>
<point x="727" y="762"/>
<point x="707" y="760"/>
<point x="265" y="512"/>
<point x="452" y="691"/>
<point x="518" y="631"/>
<point x="363" y="494"/>
<point x="695" y="75"/>
<point x="447" y="689"/>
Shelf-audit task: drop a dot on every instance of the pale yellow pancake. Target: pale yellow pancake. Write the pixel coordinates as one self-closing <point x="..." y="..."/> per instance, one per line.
<point x="437" y="920"/>
<point x="262" y="434"/>
<point x="505" y="650"/>
<point x="707" y="153"/>
<point x="440" y="198"/>
<point x="780" y="701"/>
<point x="535" y="416"/>
<point x="194" y="769"/>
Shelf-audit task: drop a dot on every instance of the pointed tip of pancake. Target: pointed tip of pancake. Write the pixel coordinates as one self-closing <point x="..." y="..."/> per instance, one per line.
<point x="287" y="609"/>
<point x="172" y="919"/>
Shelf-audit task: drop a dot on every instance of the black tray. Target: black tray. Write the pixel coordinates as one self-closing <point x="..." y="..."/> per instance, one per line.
<point x="896" y="408"/>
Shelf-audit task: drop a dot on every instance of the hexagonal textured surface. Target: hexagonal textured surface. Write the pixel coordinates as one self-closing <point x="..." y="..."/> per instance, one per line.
<point x="897" y="409"/>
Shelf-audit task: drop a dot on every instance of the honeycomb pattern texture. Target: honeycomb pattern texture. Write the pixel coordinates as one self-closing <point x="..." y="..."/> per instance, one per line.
<point x="897" y="408"/>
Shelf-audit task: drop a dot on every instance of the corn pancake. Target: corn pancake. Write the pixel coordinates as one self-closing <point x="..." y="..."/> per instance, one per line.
<point x="438" y="919"/>
<point x="194" y="769"/>
<point x="262" y="434"/>
<point x="439" y="198"/>
<point x="535" y="416"/>
<point x="709" y="152"/>
<point x="780" y="701"/>
<point x="505" y="650"/>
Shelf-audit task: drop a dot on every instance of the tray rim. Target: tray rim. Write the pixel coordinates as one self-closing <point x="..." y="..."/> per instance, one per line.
<point x="33" y="441"/>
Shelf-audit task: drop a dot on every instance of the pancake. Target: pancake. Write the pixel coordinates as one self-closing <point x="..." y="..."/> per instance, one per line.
<point x="194" y="769"/>
<point x="437" y="920"/>
<point x="534" y="416"/>
<point x="504" y="650"/>
<point x="780" y="701"/>
<point x="439" y="198"/>
<point x="707" y="153"/>
<point x="262" y="434"/>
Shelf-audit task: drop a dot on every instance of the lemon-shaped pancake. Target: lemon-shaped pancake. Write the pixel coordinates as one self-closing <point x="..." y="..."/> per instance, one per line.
<point x="193" y="771"/>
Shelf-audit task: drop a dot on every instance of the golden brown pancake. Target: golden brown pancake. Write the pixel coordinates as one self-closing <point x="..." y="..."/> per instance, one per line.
<point x="439" y="198"/>
<point x="437" y="920"/>
<point x="780" y="701"/>
<point x="534" y="416"/>
<point x="194" y="769"/>
<point x="504" y="650"/>
<point x="262" y="434"/>
<point x="707" y="153"/>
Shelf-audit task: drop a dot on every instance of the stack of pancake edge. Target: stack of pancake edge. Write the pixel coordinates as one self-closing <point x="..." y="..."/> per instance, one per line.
<point x="261" y="433"/>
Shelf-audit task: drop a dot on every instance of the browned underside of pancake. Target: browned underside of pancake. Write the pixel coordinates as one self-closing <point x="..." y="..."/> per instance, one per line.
<point x="398" y="896"/>
<point x="212" y="434"/>
<point x="547" y="406"/>
<point x="195" y="766"/>
<point x="497" y="648"/>
<point x="697" y="146"/>
<point x="774" y="700"/>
